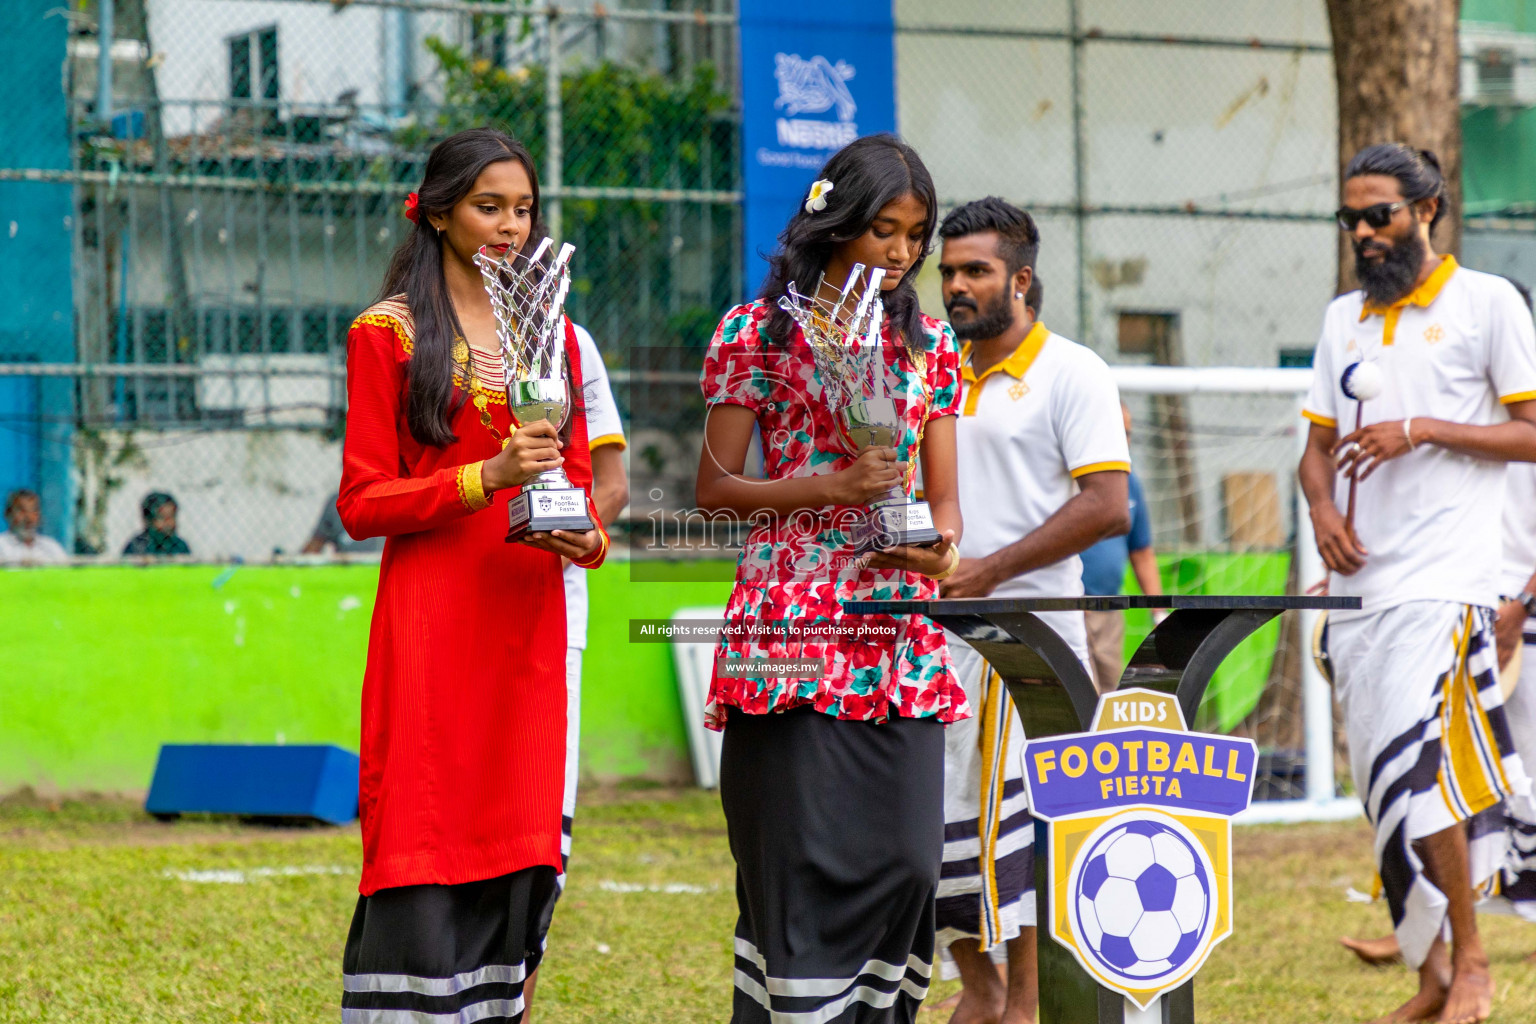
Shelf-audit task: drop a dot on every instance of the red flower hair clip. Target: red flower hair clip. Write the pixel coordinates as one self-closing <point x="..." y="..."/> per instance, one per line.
<point x="410" y="207"/>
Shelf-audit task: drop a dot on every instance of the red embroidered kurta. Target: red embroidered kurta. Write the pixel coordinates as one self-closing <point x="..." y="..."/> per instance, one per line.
<point x="463" y="731"/>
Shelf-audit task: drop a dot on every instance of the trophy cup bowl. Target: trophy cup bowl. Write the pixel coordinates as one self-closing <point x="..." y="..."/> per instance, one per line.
<point x="539" y="399"/>
<point x="549" y="501"/>
<point x="891" y="519"/>
<point x="872" y="423"/>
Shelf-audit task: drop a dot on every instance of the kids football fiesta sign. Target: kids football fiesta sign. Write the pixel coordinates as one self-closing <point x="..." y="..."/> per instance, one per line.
<point x="1140" y="840"/>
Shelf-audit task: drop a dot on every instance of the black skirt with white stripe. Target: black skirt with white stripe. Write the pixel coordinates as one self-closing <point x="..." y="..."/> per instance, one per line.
<point x="837" y="828"/>
<point x="452" y="954"/>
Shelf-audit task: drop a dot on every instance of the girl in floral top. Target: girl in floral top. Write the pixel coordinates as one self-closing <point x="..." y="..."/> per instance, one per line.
<point x="832" y="777"/>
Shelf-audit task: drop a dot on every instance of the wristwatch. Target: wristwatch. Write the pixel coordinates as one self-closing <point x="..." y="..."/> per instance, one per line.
<point x="1528" y="601"/>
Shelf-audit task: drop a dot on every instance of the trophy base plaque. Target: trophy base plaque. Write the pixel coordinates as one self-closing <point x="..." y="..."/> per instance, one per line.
<point x="545" y="509"/>
<point x="892" y="525"/>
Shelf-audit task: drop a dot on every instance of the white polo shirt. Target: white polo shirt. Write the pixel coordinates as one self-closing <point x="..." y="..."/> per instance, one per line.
<point x="1519" y="528"/>
<point x="1452" y="349"/>
<point x="603" y="427"/>
<point x="1028" y="428"/>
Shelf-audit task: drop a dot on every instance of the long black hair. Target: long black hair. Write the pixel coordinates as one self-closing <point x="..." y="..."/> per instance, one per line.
<point x="866" y="174"/>
<point x="1417" y="172"/>
<point x="417" y="270"/>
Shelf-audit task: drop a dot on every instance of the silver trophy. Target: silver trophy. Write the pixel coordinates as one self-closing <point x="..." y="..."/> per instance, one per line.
<point x="846" y="344"/>
<point x="528" y="296"/>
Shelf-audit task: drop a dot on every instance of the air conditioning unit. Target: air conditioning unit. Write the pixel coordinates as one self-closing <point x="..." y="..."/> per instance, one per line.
<point x="1498" y="67"/>
<point x="278" y="390"/>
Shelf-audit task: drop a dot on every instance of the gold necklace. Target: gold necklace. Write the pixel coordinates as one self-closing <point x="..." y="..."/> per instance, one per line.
<point x="482" y="402"/>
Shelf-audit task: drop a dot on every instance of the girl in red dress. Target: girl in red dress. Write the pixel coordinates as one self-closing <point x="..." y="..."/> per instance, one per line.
<point x="463" y="730"/>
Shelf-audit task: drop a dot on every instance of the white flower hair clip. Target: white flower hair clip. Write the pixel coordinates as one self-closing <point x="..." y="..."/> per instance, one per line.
<point x="817" y="200"/>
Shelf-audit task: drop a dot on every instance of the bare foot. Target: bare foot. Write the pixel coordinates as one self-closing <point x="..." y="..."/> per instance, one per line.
<point x="1376" y="952"/>
<point x="1470" y="999"/>
<point x="1425" y="1004"/>
<point x="975" y="1009"/>
<point x="1429" y="1000"/>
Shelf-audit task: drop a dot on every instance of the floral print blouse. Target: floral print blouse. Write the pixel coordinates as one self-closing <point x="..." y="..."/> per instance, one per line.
<point x="799" y="570"/>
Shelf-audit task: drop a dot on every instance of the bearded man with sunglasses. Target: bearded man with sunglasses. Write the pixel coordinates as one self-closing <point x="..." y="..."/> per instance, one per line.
<point x="1415" y="669"/>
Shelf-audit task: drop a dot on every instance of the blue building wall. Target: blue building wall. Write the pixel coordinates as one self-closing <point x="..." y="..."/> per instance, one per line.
<point x="36" y="296"/>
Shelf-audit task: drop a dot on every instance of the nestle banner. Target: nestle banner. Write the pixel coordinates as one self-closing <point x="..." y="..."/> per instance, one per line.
<point x="814" y="77"/>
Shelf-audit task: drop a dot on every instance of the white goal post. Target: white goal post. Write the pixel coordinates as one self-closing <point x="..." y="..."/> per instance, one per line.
<point x="1319" y="802"/>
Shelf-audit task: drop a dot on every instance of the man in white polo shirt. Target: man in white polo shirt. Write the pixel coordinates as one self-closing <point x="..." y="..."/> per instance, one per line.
<point x="1042" y="463"/>
<point x="610" y="493"/>
<point x="1451" y="397"/>
<point x="1515" y="628"/>
<point x="1515" y="633"/>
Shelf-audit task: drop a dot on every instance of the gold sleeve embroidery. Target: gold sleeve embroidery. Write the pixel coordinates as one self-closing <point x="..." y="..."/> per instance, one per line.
<point x="404" y="336"/>
<point x="471" y="489"/>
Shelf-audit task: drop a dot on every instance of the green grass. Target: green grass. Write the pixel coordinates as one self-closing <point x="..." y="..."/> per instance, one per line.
<point x="98" y="921"/>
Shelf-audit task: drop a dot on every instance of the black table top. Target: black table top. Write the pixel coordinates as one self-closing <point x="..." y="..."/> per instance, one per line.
<point x="1122" y="602"/>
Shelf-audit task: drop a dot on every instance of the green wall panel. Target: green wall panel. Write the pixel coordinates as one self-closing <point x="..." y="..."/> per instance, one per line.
<point x="103" y="664"/>
<point x="1239" y="683"/>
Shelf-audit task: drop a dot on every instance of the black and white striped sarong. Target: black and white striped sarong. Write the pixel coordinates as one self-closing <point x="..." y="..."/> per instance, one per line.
<point x="446" y="954"/>
<point x="1517" y="888"/>
<point x="1430" y="748"/>
<point x="572" y="756"/>
<point x="987" y="884"/>
<point x="837" y="830"/>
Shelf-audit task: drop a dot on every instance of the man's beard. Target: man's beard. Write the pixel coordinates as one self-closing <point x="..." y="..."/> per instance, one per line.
<point x="1386" y="280"/>
<point x="989" y="322"/>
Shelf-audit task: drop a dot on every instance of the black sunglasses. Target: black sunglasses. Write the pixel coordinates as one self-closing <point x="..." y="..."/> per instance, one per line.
<point x="1377" y="216"/>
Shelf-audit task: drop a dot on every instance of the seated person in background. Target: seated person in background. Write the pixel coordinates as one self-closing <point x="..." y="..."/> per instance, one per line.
<point x="159" y="534"/>
<point x="330" y="531"/>
<point x="22" y="544"/>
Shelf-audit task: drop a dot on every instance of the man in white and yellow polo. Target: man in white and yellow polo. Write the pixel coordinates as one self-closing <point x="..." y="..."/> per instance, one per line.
<point x="1042" y="459"/>
<point x="1450" y="355"/>
<point x="610" y="493"/>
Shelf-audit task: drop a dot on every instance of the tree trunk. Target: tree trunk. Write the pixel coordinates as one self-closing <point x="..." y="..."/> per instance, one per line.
<point x="1398" y="69"/>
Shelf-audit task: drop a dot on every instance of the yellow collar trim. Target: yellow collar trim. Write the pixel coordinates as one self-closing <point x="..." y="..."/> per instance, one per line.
<point x="1016" y="365"/>
<point x="1421" y="296"/>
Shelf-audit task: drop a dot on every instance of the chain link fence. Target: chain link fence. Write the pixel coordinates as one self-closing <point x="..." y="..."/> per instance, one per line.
<point x="239" y="168"/>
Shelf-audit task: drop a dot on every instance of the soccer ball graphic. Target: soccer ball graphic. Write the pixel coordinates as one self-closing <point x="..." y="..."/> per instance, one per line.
<point x="1143" y="900"/>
